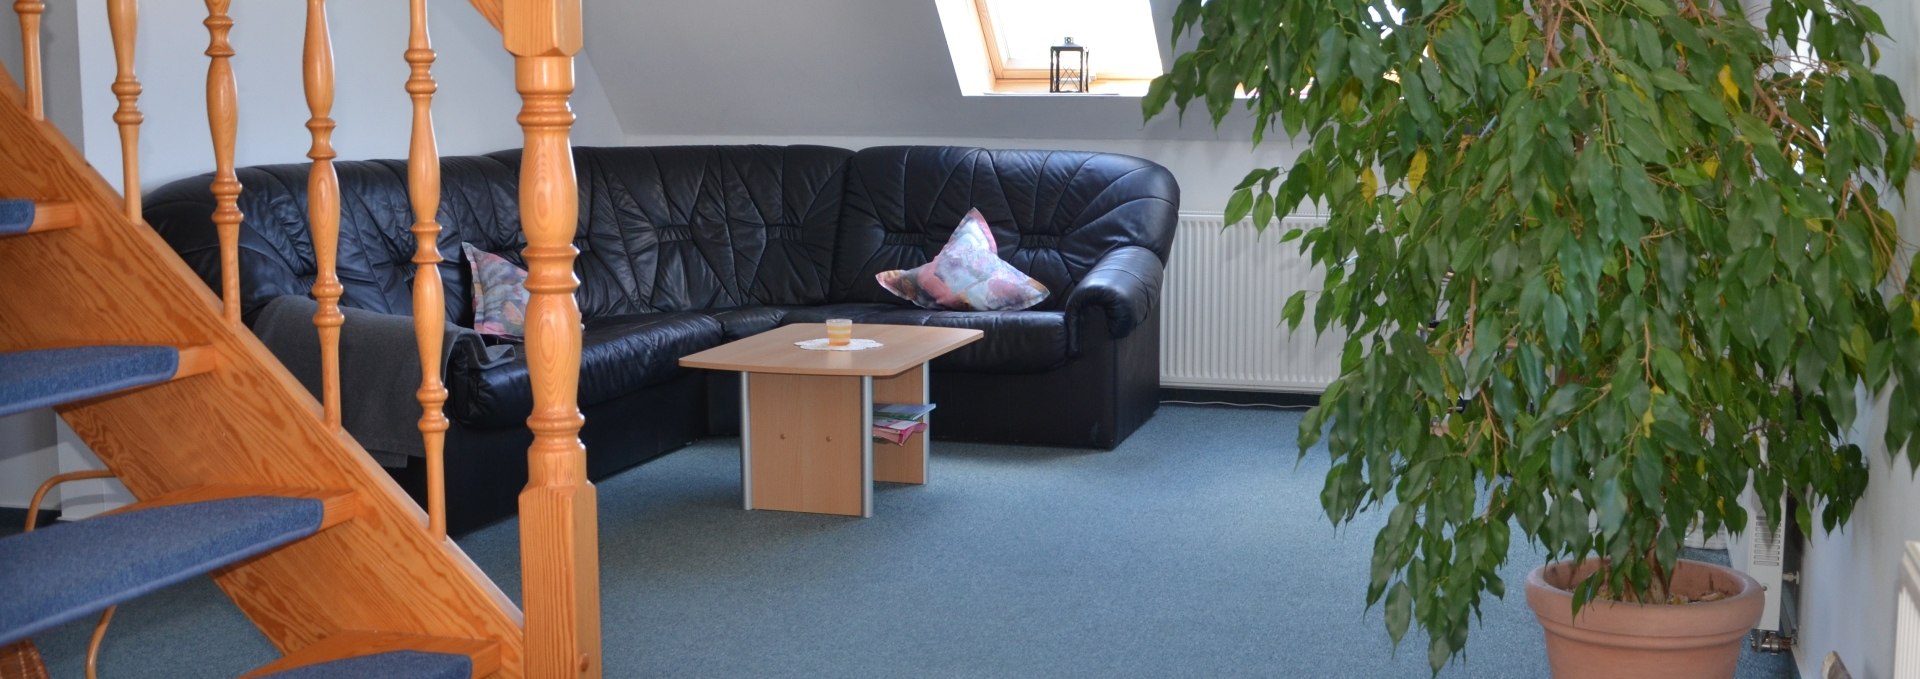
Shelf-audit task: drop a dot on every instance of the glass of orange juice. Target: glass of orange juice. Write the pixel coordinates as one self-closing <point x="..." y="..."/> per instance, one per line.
<point x="839" y="332"/>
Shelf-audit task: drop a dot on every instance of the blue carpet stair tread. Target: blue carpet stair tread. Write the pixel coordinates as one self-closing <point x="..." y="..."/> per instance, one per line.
<point x="67" y="571"/>
<point x="16" y="216"/>
<point x="43" y="378"/>
<point x="408" y="664"/>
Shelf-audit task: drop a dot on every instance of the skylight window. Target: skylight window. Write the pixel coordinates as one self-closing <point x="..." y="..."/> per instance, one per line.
<point x="1002" y="46"/>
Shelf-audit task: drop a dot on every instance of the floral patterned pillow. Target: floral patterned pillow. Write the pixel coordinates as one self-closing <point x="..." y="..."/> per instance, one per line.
<point x="499" y="294"/>
<point x="968" y="275"/>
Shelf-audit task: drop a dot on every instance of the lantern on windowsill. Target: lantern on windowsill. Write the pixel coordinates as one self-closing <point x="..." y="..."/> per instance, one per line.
<point x="1069" y="68"/>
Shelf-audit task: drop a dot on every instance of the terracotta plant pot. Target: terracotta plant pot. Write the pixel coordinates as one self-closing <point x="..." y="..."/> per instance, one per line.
<point x="1644" y="641"/>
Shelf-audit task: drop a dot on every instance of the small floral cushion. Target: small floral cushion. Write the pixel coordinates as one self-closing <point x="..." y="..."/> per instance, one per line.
<point x="499" y="294"/>
<point x="968" y="275"/>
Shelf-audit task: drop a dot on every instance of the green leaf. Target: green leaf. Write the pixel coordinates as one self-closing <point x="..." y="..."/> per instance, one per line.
<point x="1671" y="80"/>
<point x="1238" y="205"/>
<point x="1399" y="611"/>
<point x="1707" y="107"/>
<point x="1639" y="187"/>
<point x="1158" y="92"/>
<point x="1643" y="140"/>
<point x="1459" y="49"/>
<point x="1649" y="470"/>
<point x="1295" y="308"/>
<point x="1656" y="8"/>
<point x="1612" y="504"/>
<point x="1673" y="371"/>
<point x="1483" y="10"/>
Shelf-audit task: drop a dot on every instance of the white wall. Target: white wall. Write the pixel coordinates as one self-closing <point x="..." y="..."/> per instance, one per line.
<point x="1206" y="170"/>
<point x="857" y="73"/>
<point x="60" y="61"/>
<point x="28" y="456"/>
<point x="1852" y="575"/>
<point x="474" y="113"/>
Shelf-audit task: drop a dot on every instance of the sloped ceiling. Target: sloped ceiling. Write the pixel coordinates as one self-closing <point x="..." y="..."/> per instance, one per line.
<point x="868" y="68"/>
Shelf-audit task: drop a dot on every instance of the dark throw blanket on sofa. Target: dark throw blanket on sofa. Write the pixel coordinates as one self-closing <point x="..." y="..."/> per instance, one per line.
<point x="379" y="369"/>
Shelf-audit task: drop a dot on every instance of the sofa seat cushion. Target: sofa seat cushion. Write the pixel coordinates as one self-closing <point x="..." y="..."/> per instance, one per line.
<point x="1015" y="341"/>
<point x="855" y="311"/>
<point x="619" y="355"/>
<point x="747" y="321"/>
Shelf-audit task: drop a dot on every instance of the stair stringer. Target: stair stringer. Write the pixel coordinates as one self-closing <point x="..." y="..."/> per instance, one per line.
<point x="248" y="422"/>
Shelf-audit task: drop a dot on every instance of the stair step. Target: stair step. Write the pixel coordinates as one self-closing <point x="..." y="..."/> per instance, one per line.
<point x="43" y="378"/>
<point x="18" y="216"/>
<point x="68" y="571"/>
<point x="383" y="654"/>
<point x="336" y="506"/>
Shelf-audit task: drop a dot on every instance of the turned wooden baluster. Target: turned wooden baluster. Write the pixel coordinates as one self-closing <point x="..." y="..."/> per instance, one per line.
<point x="559" y="543"/>
<point x="30" y="11"/>
<point x="429" y="302"/>
<point x="323" y="204"/>
<point x="223" y="118"/>
<point x="123" y="20"/>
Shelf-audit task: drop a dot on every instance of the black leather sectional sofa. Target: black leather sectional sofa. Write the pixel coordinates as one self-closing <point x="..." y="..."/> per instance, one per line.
<point x="684" y="248"/>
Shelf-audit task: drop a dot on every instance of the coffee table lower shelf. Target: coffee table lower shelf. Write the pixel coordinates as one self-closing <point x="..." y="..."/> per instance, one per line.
<point x="806" y="441"/>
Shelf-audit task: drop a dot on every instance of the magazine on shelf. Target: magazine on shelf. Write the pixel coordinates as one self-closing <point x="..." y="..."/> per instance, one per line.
<point x="897" y="431"/>
<point x="902" y="411"/>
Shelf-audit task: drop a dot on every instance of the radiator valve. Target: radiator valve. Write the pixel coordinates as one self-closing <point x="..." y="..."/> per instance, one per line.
<point x="1769" y="641"/>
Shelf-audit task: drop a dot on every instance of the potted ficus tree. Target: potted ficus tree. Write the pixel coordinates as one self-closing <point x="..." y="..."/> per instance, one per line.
<point x="1601" y="265"/>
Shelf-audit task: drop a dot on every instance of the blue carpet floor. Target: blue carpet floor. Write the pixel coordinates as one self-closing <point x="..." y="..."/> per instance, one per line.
<point x="1197" y="549"/>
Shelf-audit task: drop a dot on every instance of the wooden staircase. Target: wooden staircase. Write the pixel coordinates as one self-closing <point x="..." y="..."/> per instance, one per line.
<point x="242" y="473"/>
<point x="244" y="422"/>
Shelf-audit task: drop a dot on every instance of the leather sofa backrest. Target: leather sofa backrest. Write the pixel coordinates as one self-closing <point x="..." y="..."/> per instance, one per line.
<point x="478" y="205"/>
<point x="661" y="229"/>
<point x="680" y="228"/>
<point x="695" y="227"/>
<point x="1053" y="213"/>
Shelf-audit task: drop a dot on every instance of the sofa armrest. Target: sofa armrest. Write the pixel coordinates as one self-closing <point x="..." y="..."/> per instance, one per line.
<point x="1125" y="283"/>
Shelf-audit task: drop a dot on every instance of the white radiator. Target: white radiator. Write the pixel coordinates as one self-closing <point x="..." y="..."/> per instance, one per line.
<point x="1220" y="316"/>
<point x="1760" y="551"/>
<point x="1906" y="630"/>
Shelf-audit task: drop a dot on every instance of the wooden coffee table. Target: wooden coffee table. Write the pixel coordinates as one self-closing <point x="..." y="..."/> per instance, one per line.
<point x="806" y="416"/>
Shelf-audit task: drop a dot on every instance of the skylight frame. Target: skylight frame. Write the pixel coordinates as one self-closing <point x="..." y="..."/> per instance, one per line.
<point x="1005" y="75"/>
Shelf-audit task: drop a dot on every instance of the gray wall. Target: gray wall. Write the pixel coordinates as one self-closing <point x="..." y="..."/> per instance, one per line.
<point x="1853" y="575"/>
<point x="859" y="73"/>
<point x="473" y="111"/>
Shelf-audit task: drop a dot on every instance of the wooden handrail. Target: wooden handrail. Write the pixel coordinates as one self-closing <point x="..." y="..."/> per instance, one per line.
<point x="123" y="20"/>
<point x="559" y="538"/>
<point x="223" y="119"/>
<point x="429" y="300"/>
<point x="30" y="11"/>
<point x="323" y="204"/>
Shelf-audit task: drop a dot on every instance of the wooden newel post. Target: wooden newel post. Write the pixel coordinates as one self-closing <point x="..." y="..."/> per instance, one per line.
<point x="559" y="542"/>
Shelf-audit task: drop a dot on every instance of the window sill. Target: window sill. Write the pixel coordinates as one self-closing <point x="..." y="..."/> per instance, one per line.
<point x="1038" y="88"/>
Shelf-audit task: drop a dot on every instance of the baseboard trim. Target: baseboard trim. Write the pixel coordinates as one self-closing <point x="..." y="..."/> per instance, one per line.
<point x="1238" y="398"/>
